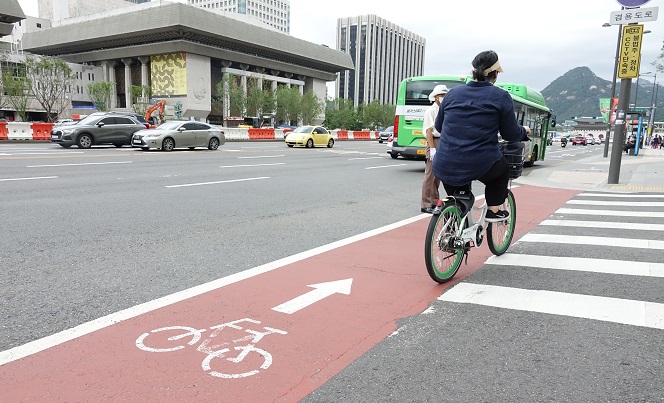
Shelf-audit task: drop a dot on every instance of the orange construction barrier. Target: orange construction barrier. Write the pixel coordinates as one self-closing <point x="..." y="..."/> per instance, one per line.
<point x="362" y="135"/>
<point x="3" y="131"/>
<point x="342" y="135"/>
<point x="261" y="134"/>
<point x="41" y="131"/>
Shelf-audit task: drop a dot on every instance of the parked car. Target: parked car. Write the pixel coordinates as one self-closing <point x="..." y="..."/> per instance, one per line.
<point x="385" y="134"/>
<point x="309" y="136"/>
<point x="135" y="115"/>
<point x="578" y="140"/>
<point x="98" y="128"/>
<point x="179" y="134"/>
<point x="61" y="122"/>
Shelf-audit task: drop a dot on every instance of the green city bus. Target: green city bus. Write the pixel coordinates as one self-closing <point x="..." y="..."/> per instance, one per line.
<point x="413" y="99"/>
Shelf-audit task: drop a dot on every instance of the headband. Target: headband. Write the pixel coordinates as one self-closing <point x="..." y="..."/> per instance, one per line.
<point x="495" y="67"/>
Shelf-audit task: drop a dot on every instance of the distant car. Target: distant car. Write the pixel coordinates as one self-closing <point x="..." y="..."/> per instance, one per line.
<point x="590" y="140"/>
<point x="385" y="134"/>
<point x="61" y="122"/>
<point x="179" y="134"/>
<point x="578" y="140"/>
<point x="97" y="128"/>
<point x="135" y="115"/>
<point x="309" y="137"/>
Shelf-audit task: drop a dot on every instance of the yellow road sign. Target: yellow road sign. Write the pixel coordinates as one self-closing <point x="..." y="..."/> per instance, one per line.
<point x="630" y="51"/>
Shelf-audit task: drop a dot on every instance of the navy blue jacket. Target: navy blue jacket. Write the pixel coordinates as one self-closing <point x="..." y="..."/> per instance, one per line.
<point x="469" y="120"/>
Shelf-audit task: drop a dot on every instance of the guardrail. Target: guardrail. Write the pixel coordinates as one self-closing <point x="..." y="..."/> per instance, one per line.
<point x="42" y="131"/>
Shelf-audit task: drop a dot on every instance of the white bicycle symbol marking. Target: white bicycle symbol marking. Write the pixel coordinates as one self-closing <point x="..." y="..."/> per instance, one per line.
<point x="216" y="351"/>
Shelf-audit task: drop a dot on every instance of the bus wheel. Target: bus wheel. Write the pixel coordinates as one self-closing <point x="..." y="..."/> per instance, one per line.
<point x="533" y="158"/>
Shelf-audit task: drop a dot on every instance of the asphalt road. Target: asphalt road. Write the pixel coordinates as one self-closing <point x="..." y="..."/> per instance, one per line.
<point x="90" y="232"/>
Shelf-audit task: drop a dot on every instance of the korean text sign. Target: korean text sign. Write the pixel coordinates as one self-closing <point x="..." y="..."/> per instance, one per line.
<point x="630" y="51"/>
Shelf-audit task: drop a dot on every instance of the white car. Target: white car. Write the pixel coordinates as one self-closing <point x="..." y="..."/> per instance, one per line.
<point x="590" y="140"/>
<point x="179" y="134"/>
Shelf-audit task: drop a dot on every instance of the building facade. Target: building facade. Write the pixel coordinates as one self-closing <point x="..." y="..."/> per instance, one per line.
<point x="383" y="54"/>
<point x="273" y="13"/>
<point x="183" y="53"/>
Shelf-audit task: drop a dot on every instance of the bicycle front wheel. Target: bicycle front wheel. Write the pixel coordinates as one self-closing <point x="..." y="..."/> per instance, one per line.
<point x="442" y="259"/>
<point x="499" y="234"/>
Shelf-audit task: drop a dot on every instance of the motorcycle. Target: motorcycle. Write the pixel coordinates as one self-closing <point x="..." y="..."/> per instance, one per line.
<point x="563" y="142"/>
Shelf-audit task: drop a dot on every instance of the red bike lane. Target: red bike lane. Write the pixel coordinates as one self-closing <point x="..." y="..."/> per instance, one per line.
<point x="276" y="336"/>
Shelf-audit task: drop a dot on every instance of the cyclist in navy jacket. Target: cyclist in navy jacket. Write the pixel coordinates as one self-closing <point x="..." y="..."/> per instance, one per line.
<point x="469" y="120"/>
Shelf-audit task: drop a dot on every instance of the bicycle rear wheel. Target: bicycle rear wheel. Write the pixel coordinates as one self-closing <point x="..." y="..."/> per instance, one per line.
<point x="499" y="234"/>
<point x="442" y="259"/>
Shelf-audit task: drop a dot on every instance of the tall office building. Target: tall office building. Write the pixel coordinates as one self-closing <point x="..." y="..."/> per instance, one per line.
<point x="56" y="10"/>
<point x="274" y="13"/>
<point x="383" y="54"/>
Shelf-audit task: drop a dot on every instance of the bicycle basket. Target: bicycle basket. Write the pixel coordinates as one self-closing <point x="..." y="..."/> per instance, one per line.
<point x="513" y="153"/>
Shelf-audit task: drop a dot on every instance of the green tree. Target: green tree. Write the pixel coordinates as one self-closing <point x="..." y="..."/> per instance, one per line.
<point x="259" y="100"/>
<point x="17" y="86"/>
<point x="100" y="94"/>
<point x="310" y="107"/>
<point x="231" y="96"/>
<point x="3" y="67"/>
<point x="373" y="115"/>
<point x="387" y="115"/>
<point x="51" y="80"/>
<point x="288" y="104"/>
<point x="139" y="93"/>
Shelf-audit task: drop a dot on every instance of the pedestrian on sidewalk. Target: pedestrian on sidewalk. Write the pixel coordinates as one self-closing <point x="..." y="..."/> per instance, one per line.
<point x="430" y="183"/>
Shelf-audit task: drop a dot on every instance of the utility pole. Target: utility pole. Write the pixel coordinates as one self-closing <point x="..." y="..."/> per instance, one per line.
<point x="630" y="56"/>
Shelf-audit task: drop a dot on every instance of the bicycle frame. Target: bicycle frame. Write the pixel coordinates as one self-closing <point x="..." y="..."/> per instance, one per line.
<point x="470" y="230"/>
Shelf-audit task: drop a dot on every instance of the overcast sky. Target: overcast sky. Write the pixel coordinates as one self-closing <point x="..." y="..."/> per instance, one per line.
<point x="537" y="41"/>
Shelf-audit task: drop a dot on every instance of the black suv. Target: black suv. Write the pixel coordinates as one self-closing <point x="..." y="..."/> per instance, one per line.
<point x="98" y="128"/>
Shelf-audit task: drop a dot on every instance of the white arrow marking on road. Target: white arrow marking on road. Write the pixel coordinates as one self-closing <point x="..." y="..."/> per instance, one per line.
<point x="322" y="290"/>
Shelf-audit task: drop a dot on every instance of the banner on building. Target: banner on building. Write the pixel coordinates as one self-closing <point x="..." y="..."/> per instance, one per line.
<point x="168" y="75"/>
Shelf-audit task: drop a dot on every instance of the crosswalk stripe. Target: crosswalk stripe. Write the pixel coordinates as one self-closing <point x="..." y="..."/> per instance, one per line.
<point x="615" y="213"/>
<point x="593" y="240"/>
<point x="607" y="266"/>
<point x="604" y="224"/>
<point x="621" y="195"/>
<point x="616" y="203"/>
<point x="615" y="310"/>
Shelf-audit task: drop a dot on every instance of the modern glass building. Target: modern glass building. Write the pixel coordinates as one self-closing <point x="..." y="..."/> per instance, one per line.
<point x="383" y="54"/>
<point x="275" y="13"/>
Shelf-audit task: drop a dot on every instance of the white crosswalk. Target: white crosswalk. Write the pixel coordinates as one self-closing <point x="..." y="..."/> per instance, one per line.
<point x="618" y="227"/>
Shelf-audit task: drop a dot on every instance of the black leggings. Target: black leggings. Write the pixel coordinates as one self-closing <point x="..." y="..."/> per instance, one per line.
<point x="495" y="183"/>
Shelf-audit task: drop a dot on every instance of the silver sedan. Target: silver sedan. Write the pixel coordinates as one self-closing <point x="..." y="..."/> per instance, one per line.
<point x="179" y="134"/>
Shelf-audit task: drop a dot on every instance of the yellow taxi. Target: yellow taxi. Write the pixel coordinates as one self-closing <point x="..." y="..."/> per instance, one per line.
<point x="309" y="137"/>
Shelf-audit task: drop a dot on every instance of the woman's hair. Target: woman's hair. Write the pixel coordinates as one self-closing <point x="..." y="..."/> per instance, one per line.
<point x="482" y="62"/>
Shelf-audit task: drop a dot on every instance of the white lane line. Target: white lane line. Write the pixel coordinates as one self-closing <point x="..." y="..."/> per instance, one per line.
<point x="27" y="179"/>
<point x="386" y="166"/>
<point x="616" y="203"/>
<point x="53" y="340"/>
<point x="217" y="182"/>
<point x="252" y="165"/>
<point x="593" y="240"/>
<point x="615" y="310"/>
<point x="82" y="164"/>
<point x="606" y="266"/>
<point x="51" y="153"/>
<point x="622" y="195"/>
<point x="365" y="158"/>
<point x="615" y="213"/>
<point x="604" y="224"/>
<point x="261" y="156"/>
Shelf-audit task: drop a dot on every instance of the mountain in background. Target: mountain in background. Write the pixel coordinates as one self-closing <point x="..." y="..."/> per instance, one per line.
<point x="577" y="93"/>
